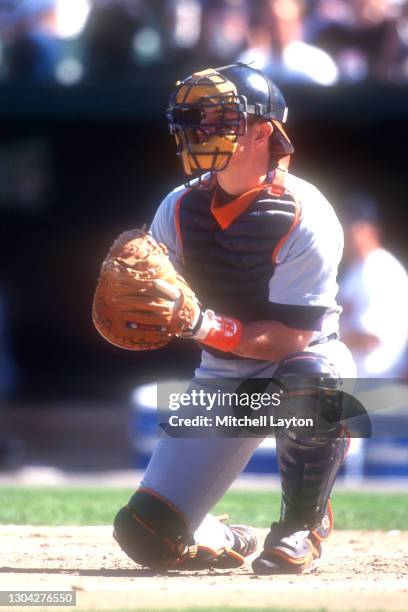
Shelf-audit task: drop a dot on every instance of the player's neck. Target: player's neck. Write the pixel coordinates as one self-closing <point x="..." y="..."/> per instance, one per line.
<point x="237" y="184"/>
<point x="244" y="173"/>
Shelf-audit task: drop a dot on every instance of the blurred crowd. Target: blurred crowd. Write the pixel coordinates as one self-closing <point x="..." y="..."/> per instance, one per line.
<point x="297" y="41"/>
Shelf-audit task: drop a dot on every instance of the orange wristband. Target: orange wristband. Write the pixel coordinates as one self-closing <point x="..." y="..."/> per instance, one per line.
<point x="225" y="333"/>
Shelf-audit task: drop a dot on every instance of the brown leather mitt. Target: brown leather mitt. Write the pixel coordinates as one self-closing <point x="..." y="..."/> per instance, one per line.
<point x="141" y="302"/>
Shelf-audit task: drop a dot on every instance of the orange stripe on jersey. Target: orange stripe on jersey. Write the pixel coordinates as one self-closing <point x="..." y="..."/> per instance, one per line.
<point x="295" y="222"/>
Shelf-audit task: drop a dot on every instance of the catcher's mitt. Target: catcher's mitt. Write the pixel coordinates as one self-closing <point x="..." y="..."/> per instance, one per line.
<point x="141" y="302"/>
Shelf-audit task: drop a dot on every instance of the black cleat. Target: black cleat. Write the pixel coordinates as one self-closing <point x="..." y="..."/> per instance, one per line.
<point x="293" y="552"/>
<point x="289" y="554"/>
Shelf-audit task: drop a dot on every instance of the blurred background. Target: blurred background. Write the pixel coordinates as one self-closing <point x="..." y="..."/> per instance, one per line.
<point x="85" y="153"/>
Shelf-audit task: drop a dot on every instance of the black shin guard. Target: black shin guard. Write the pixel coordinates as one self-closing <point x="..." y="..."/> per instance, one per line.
<point x="308" y="469"/>
<point x="309" y="456"/>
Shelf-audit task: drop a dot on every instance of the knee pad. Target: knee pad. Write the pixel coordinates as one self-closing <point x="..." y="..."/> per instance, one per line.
<point x="310" y="389"/>
<point x="151" y="531"/>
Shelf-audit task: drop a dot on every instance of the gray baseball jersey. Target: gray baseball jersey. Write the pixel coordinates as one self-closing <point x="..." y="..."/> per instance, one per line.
<point x="305" y="274"/>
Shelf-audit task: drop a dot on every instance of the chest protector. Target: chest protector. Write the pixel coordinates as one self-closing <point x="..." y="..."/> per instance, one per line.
<point x="230" y="267"/>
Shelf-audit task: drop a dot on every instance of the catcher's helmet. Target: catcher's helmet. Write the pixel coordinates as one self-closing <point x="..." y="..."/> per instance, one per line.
<point x="262" y="97"/>
<point x="217" y="102"/>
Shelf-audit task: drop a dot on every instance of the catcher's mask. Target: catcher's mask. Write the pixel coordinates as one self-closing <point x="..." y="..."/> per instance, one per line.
<point x="209" y="110"/>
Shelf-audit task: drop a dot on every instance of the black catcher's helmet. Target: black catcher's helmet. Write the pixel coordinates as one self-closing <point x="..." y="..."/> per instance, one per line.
<point x="233" y="94"/>
<point x="263" y="98"/>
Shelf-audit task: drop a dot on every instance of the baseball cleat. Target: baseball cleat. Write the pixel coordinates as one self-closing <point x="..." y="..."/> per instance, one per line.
<point x="204" y="557"/>
<point x="293" y="553"/>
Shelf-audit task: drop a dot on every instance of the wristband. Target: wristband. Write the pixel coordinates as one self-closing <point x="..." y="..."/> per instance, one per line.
<point x="220" y="332"/>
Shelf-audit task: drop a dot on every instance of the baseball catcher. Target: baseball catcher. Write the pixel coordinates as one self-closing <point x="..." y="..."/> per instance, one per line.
<point x="242" y="259"/>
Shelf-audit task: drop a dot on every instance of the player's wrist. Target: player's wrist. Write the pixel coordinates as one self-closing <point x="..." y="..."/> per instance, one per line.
<point x="218" y="331"/>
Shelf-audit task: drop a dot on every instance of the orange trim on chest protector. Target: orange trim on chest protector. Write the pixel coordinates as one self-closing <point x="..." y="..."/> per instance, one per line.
<point x="225" y="214"/>
<point x="281" y="242"/>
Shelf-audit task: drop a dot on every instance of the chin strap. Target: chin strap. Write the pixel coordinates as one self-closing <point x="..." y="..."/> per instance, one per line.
<point x="277" y="177"/>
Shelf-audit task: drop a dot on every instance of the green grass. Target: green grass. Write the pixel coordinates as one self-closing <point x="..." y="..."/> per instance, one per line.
<point x="95" y="506"/>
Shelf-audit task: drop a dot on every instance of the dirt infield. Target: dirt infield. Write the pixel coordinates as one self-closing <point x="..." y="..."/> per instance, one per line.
<point x="362" y="571"/>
